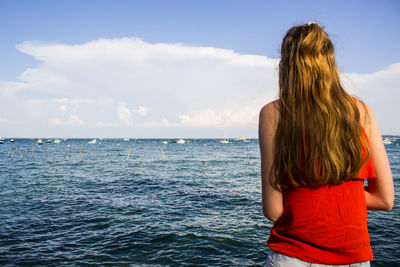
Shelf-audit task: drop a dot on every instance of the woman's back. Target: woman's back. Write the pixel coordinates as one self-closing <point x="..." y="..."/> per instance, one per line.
<point x="317" y="146"/>
<point x="327" y="224"/>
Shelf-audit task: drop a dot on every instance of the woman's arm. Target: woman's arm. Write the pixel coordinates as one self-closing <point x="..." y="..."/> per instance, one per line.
<point x="380" y="192"/>
<point x="272" y="200"/>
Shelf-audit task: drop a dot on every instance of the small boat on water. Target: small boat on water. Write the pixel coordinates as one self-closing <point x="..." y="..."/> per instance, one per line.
<point x="48" y="141"/>
<point x="12" y="140"/>
<point x="165" y="142"/>
<point x="39" y="142"/>
<point x="224" y="141"/>
<point x="179" y="141"/>
<point x="244" y="140"/>
<point x="56" y="141"/>
<point x="126" y="139"/>
<point x="387" y="141"/>
<point x="94" y="141"/>
<point x="1" y="140"/>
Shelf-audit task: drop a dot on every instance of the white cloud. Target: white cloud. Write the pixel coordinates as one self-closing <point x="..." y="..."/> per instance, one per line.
<point x="165" y="122"/>
<point x="63" y="108"/>
<point x="106" y="82"/>
<point x="73" y="120"/>
<point x="8" y="88"/>
<point x="381" y="91"/>
<point x="246" y="116"/>
<point x="106" y="124"/>
<point x="3" y="120"/>
<point x="56" y="121"/>
<point x="60" y="100"/>
<point x="142" y="110"/>
<point x="124" y="113"/>
<point x="35" y="108"/>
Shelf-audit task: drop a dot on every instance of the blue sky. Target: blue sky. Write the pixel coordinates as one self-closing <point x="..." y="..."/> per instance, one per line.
<point x="44" y="94"/>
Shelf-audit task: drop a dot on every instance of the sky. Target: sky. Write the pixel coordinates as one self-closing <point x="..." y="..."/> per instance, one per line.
<point x="177" y="69"/>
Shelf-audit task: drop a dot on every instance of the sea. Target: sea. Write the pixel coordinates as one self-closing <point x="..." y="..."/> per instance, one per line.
<point x="140" y="202"/>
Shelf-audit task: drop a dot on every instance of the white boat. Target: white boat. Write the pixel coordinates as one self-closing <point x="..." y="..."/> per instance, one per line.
<point x="126" y="139"/>
<point x="39" y="142"/>
<point x="387" y="141"/>
<point x="56" y="141"/>
<point x="48" y="141"/>
<point x="224" y="141"/>
<point x="165" y="142"/>
<point x="180" y="141"/>
<point x="244" y="140"/>
<point x="94" y="141"/>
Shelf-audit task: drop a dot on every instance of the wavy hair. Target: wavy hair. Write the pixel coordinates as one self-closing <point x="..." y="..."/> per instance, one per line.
<point x="319" y="139"/>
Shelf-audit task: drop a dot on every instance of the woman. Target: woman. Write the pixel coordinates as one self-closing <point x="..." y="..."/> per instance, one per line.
<point x="317" y="146"/>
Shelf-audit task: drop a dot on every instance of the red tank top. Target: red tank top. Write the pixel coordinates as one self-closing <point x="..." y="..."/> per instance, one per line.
<point x="325" y="225"/>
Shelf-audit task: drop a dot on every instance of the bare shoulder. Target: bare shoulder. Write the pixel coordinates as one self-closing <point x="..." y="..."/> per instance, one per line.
<point x="366" y="116"/>
<point x="269" y="117"/>
<point x="270" y="110"/>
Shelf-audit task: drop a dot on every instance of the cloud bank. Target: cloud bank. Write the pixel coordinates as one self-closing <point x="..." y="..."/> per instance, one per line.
<point x="129" y="87"/>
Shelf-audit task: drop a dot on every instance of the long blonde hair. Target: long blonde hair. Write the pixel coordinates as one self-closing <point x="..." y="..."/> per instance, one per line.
<point x="318" y="140"/>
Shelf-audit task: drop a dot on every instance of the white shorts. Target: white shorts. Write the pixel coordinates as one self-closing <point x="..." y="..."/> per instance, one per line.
<point x="280" y="260"/>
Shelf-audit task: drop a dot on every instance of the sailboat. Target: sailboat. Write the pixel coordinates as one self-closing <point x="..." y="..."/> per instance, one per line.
<point x="225" y="140"/>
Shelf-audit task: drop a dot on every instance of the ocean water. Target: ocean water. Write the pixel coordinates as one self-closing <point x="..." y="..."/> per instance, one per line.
<point x="193" y="204"/>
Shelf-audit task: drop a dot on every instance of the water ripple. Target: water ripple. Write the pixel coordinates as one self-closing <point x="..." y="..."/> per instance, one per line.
<point x="201" y="207"/>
